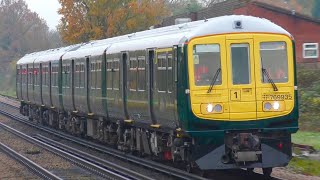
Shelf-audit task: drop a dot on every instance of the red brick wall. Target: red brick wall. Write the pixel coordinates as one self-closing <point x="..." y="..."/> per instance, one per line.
<point x="304" y="31"/>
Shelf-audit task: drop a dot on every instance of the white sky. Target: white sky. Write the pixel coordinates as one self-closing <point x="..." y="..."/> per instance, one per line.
<point x="47" y="10"/>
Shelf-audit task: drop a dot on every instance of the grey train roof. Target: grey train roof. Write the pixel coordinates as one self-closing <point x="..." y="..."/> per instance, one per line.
<point x="160" y="37"/>
<point x="47" y="55"/>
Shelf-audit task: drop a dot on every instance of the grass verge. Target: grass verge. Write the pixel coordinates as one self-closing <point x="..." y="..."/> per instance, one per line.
<point x="305" y="166"/>
<point x="307" y="138"/>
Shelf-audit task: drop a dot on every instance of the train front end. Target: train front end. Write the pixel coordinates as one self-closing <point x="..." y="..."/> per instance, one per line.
<point x="242" y="97"/>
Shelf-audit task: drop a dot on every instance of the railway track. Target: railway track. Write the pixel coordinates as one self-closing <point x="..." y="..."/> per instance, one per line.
<point x="35" y="168"/>
<point x="83" y="162"/>
<point x="177" y="173"/>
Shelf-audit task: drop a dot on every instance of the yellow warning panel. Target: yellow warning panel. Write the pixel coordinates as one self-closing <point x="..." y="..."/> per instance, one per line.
<point x="235" y="95"/>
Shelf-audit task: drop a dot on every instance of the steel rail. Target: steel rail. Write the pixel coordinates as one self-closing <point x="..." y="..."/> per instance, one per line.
<point x="93" y="168"/>
<point x="91" y="158"/>
<point x="35" y="168"/>
<point x="113" y="152"/>
<point x="9" y="104"/>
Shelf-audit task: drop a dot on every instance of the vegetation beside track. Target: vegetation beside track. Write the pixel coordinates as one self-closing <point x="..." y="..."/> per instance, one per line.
<point x="8" y="79"/>
<point x="307" y="138"/>
<point x="309" y="99"/>
<point x="305" y="166"/>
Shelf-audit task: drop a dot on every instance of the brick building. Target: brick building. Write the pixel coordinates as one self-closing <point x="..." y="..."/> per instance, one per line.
<point x="305" y="29"/>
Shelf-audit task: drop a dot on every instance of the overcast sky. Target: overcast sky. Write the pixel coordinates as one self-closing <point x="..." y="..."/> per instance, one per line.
<point x="47" y="10"/>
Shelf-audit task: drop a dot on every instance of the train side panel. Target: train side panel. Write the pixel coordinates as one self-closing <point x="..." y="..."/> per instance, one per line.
<point x="137" y="101"/>
<point x="24" y="84"/>
<point x="30" y="83"/>
<point x="67" y="85"/>
<point x="18" y="82"/>
<point x="112" y="85"/>
<point x="46" y="90"/>
<point x="37" y="94"/>
<point x="55" y="68"/>
<point x="80" y="89"/>
<point x="96" y="97"/>
<point x="163" y="101"/>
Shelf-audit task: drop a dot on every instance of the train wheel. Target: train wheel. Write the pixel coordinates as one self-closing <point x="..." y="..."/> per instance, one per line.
<point x="267" y="172"/>
<point x="203" y="173"/>
<point x="250" y="171"/>
<point x="189" y="168"/>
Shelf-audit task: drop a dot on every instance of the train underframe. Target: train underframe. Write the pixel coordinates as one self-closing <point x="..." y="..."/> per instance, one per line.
<point x="239" y="149"/>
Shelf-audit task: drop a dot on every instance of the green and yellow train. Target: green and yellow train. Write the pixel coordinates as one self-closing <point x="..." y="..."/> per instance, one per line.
<point x="214" y="94"/>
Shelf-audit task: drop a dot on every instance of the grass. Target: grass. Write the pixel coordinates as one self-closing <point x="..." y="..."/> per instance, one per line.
<point x="307" y="138"/>
<point x="10" y="93"/>
<point x="305" y="166"/>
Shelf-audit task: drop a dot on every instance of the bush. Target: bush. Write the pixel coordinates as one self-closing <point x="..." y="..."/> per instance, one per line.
<point x="309" y="98"/>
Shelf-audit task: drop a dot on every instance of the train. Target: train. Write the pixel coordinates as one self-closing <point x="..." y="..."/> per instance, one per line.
<point x="214" y="94"/>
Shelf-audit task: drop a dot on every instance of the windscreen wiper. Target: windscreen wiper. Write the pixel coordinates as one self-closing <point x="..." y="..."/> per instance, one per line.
<point x="214" y="79"/>
<point x="265" y="72"/>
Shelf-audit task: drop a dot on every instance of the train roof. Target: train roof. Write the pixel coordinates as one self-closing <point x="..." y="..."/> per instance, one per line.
<point x="161" y="37"/>
<point x="47" y="55"/>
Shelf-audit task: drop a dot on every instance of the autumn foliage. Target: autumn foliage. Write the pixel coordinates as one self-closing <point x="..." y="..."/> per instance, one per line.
<point x="84" y="20"/>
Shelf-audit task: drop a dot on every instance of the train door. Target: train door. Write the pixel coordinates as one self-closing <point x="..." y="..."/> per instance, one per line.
<point x="50" y="83"/>
<point x="124" y="79"/>
<point x="28" y="81"/>
<point x="150" y="82"/>
<point x="19" y="81"/>
<point x="241" y="79"/>
<point x="41" y="83"/>
<point x="88" y="85"/>
<point x="72" y="83"/>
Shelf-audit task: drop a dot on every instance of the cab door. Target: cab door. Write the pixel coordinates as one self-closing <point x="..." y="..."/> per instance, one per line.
<point x="241" y="79"/>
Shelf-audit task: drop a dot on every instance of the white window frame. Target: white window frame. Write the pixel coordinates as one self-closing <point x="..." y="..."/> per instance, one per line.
<point x="316" y="48"/>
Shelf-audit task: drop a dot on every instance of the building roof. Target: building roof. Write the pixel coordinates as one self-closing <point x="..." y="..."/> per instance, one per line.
<point x="285" y="11"/>
<point x="227" y="8"/>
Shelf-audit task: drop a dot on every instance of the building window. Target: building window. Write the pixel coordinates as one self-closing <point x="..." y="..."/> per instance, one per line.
<point x="310" y="50"/>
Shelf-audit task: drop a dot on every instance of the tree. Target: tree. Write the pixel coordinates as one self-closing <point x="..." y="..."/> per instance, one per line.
<point x="84" y="20"/>
<point x="185" y="6"/>
<point x="316" y="9"/>
<point x="21" y="31"/>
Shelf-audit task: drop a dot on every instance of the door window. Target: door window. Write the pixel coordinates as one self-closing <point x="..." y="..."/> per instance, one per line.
<point x="240" y="64"/>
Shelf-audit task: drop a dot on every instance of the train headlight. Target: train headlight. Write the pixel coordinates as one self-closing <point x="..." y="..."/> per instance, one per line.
<point x="267" y="106"/>
<point x="209" y="108"/>
<point x="276" y="105"/>
<point x="218" y="108"/>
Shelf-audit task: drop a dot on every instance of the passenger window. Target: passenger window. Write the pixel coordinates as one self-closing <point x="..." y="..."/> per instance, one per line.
<point x="141" y="73"/>
<point x="240" y="64"/>
<point x="76" y="76"/>
<point x="92" y="75"/>
<point x="109" y="74"/>
<point x="82" y="82"/>
<point x="170" y="74"/>
<point x="275" y="61"/>
<point x="206" y="63"/>
<point x="98" y="74"/>
<point x="162" y="72"/>
<point x="116" y="74"/>
<point x="133" y="74"/>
